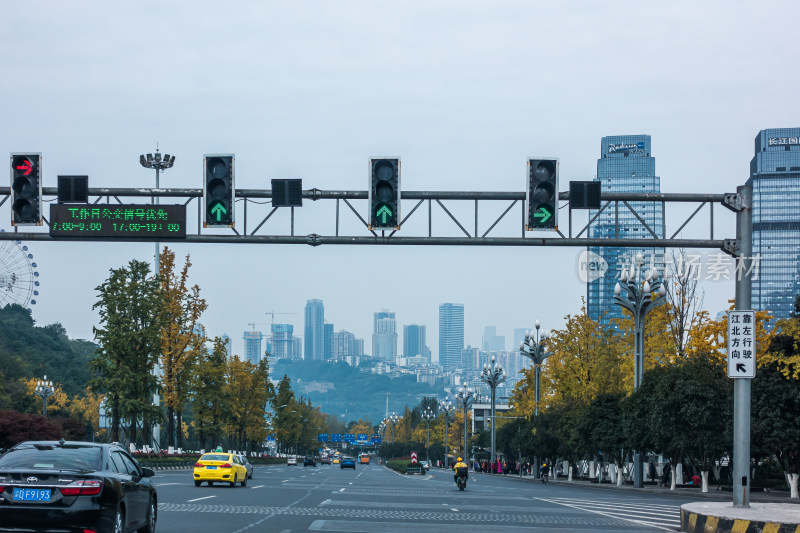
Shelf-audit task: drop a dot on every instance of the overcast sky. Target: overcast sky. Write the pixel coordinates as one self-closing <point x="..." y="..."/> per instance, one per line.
<point x="462" y="91"/>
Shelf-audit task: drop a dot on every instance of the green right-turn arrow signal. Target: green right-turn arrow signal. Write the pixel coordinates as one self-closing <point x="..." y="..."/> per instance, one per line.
<point x="543" y="213"/>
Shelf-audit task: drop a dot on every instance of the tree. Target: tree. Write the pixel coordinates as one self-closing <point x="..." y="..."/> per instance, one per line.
<point x="249" y="390"/>
<point x="286" y="420"/>
<point x="181" y="339"/>
<point x="210" y="398"/>
<point x="600" y="424"/>
<point x="130" y="306"/>
<point x="775" y="411"/>
<point x="587" y="360"/>
<point x="684" y="300"/>
<point x="682" y="408"/>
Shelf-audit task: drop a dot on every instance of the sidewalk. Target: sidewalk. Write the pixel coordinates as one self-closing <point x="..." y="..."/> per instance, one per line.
<point x="769" y="512"/>
<point x="713" y="492"/>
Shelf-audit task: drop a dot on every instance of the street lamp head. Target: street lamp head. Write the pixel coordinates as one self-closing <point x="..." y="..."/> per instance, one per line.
<point x="624" y="275"/>
<point x="618" y="289"/>
<point x="662" y="291"/>
<point x="646" y="287"/>
<point x="639" y="259"/>
<point x="655" y="274"/>
<point x="537" y="324"/>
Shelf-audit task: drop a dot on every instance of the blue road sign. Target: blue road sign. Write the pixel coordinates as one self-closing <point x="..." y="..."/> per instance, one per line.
<point x="336" y="437"/>
<point x="322" y="437"/>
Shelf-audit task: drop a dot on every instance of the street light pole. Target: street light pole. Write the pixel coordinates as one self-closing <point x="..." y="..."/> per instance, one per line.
<point x="493" y="376"/>
<point x="639" y="297"/>
<point x="427" y="416"/>
<point x="45" y="389"/>
<point x="393" y="419"/>
<point x="159" y="164"/>
<point x="447" y="409"/>
<point x="465" y="397"/>
<point x="533" y="348"/>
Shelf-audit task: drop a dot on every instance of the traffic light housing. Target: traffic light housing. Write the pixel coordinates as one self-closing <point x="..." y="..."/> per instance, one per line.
<point x="218" y="190"/>
<point x="384" y="193"/>
<point x="26" y="189"/>
<point x="542" y="194"/>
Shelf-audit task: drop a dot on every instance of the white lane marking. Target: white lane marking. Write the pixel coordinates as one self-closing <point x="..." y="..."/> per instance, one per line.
<point x="454" y="509"/>
<point x="167" y="484"/>
<point x="611" y="515"/>
<point x="257" y="487"/>
<point x="203" y="498"/>
<point x="342" y="490"/>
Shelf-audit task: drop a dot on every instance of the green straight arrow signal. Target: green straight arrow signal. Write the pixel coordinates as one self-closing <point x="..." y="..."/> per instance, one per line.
<point x="544" y="214"/>
<point x="219" y="210"/>
<point x="383" y="213"/>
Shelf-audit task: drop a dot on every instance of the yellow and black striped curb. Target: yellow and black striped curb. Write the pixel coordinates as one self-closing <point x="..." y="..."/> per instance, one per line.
<point x="701" y="523"/>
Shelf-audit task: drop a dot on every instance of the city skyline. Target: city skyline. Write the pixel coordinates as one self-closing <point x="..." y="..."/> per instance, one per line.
<point x="304" y="98"/>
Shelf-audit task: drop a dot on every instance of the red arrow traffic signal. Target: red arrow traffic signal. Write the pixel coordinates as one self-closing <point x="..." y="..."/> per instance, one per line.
<point x="26" y="167"/>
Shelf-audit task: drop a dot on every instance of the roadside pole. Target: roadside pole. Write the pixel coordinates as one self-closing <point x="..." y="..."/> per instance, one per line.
<point x="741" y="386"/>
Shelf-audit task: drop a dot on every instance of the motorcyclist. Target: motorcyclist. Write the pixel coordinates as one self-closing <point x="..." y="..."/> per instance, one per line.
<point x="460" y="464"/>
<point x="545" y="470"/>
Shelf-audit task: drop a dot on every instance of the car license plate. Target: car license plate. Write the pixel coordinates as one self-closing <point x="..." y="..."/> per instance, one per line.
<point x="211" y="467"/>
<point x="31" y="495"/>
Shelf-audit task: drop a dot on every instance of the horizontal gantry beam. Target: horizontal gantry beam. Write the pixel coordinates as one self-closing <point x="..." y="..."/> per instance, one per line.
<point x="615" y="206"/>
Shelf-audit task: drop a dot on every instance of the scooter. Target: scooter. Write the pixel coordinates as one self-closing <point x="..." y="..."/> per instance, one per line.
<point x="462" y="478"/>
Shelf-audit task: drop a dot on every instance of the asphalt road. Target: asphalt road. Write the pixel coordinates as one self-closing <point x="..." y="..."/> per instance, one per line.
<point x="374" y="499"/>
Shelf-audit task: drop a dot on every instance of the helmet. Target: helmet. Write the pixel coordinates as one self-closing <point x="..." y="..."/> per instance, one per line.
<point x="459" y="460"/>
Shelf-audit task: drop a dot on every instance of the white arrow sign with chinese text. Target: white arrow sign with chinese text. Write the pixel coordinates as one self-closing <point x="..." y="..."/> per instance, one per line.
<point x="741" y="344"/>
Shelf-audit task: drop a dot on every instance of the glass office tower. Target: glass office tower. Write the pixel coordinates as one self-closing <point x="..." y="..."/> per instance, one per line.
<point x="451" y="335"/>
<point x="775" y="178"/>
<point x="625" y="165"/>
<point x="314" y="335"/>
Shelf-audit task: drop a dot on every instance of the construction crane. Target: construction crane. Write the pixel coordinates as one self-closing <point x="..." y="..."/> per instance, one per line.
<point x="254" y="324"/>
<point x="272" y="314"/>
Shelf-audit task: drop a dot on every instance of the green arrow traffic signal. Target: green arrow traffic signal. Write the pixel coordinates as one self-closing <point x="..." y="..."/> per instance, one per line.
<point x="383" y="213"/>
<point x="218" y="210"/>
<point x="543" y="213"/>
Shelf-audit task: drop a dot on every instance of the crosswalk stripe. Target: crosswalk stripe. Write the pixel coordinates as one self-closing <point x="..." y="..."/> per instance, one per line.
<point x="621" y="512"/>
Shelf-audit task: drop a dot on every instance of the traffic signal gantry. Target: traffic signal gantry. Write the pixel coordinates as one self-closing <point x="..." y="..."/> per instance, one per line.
<point x="384" y="193"/>
<point x="218" y="190"/>
<point x="542" y="193"/>
<point x="26" y="189"/>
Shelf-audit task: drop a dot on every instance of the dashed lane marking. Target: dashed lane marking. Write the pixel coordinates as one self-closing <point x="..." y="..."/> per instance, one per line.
<point x="198" y="499"/>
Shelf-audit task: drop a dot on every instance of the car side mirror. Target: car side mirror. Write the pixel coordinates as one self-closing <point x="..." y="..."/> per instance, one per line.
<point x="147" y="472"/>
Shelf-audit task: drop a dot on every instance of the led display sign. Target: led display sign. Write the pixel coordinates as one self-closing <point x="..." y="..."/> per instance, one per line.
<point x="129" y="221"/>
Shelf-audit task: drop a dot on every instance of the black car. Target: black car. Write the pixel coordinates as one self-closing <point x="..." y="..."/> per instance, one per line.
<point x="347" y="462"/>
<point x="75" y="486"/>
<point x="309" y="460"/>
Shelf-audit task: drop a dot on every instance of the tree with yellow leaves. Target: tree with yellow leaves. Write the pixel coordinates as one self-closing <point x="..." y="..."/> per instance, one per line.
<point x="587" y="359"/>
<point x="249" y="389"/>
<point x="181" y="339"/>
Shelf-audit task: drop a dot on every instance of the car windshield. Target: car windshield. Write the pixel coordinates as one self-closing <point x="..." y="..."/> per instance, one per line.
<point x="52" y="457"/>
<point x="215" y="457"/>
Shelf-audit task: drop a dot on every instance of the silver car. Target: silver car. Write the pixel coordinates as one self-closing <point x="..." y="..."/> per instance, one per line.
<point x="247" y="464"/>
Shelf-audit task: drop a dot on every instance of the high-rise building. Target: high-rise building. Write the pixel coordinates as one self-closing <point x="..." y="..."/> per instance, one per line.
<point x="327" y="334"/>
<point x="413" y="340"/>
<point x="775" y="178"/>
<point x="451" y="335"/>
<point x="625" y="166"/>
<point x="384" y="336"/>
<point x="252" y="346"/>
<point x="281" y="342"/>
<point x="314" y="331"/>
<point x="491" y="340"/>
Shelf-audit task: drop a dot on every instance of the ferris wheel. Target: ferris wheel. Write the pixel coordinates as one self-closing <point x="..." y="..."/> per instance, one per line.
<point x="19" y="279"/>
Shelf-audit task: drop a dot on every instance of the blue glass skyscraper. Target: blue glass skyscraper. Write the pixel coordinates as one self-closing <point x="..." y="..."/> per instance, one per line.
<point x="625" y="165"/>
<point x="775" y="178"/>
<point x="314" y="335"/>
<point x="451" y="335"/>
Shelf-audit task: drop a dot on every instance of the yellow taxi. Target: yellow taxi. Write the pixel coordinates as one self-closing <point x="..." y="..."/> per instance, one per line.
<point x="220" y="467"/>
<point x="336" y="460"/>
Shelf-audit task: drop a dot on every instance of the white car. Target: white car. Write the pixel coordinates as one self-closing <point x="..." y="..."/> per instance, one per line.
<point x="425" y="466"/>
<point x="291" y="461"/>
